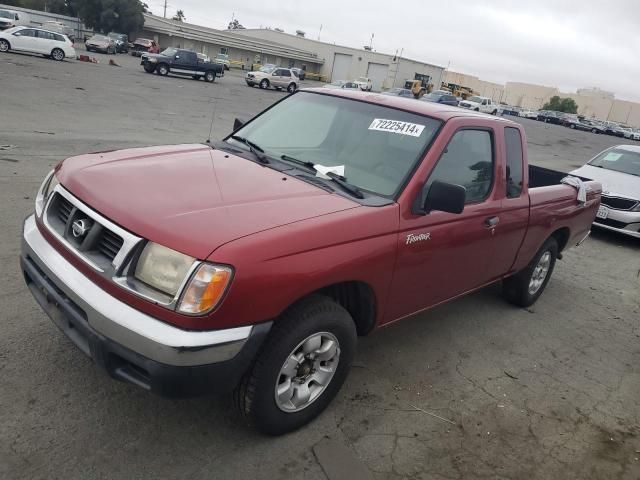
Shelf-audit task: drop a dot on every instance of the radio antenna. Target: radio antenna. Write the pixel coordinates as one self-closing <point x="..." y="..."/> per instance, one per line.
<point x="213" y="117"/>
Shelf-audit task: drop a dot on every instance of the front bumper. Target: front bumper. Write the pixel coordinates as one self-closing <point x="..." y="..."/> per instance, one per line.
<point x="621" y="221"/>
<point x="129" y="344"/>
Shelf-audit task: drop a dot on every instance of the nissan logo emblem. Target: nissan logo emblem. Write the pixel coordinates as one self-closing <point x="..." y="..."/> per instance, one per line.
<point x="80" y="227"/>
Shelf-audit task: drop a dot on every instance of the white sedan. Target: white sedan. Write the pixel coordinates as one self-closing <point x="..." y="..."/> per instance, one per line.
<point x="364" y="83"/>
<point x="36" y="40"/>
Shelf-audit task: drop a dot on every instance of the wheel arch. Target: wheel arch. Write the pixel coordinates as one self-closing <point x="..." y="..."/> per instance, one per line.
<point x="561" y="236"/>
<point x="357" y="297"/>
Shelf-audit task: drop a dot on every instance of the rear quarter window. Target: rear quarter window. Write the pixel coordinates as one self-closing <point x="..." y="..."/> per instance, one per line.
<point x="513" y="144"/>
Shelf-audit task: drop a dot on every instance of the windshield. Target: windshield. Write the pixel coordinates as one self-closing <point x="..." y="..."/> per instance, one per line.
<point x="100" y="38"/>
<point x="267" y="69"/>
<point x="432" y="97"/>
<point x="377" y="146"/>
<point x="619" y="160"/>
<point x="5" y="14"/>
<point x="142" y="41"/>
<point x="476" y="99"/>
<point x="169" y="52"/>
<point x="363" y="79"/>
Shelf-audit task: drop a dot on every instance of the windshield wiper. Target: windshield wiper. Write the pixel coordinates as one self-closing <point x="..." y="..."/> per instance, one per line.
<point x="304" y="163"/>
<point x="253" y="148"/>
<point x="346" y="186"/>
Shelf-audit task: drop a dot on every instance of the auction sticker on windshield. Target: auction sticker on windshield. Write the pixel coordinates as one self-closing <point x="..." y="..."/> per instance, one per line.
<point x="395" y="126"/>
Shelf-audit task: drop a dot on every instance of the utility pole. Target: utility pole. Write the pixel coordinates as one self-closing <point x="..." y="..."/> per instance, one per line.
<point x="165" y="8"/>
<point x="319" y="32"/>
<point x="371" y="42"/>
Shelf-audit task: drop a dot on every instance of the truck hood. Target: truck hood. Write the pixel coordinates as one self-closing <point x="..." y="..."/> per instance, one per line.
<point x="191" y="198"/>
<point x="616" y="184"/>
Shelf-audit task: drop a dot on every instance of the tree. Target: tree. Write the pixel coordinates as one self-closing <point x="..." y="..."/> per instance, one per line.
<point x="111" y="15"/>
<point x="235" y="25"/>
<point x="179" y="16"/>
<point x="557" y="104"/>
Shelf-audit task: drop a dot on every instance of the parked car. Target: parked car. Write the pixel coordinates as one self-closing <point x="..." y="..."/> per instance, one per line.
<point x="36" y="40"/>
<point x="480" y="104"/>
<point x="585" y="125"/>
<point x="11" y="18"/>
<point x="223" y="59"/>
<point x="443" y="98"/>
<point x="509" y="110"/>
<point x="276" y="77"/>
<point x="615" y="130"/>
<point x="399" y="92"/>
<point x="121" y="40"/>
<point x="528" y="114"/>
<point x="552" y="117"/>
<point x="335" y="84"/>
<point x="102" y="44"/>
<point x="632" y="134"/>
<point x="618" y="170"/>
<point x="364" y="83"/>
<point x="300" y="73"/>
<point x="282" y="243"/>
<point x="177" y="61"/>
<point x="144" y="45"/>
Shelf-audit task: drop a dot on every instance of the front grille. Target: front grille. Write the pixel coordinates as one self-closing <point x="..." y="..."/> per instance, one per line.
<point x="618" y="203"/>
<point x="64" y="210"/>
<point x="611" y="223"/>
<point x="95" y="241"/>
<point x="109" y="244"/>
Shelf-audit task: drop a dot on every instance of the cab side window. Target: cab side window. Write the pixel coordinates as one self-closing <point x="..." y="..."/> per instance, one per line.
<point x="513" y="143"/>
<point x="468" y="161"/>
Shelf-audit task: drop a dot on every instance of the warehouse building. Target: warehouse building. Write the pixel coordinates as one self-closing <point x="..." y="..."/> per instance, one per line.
<point x="329" y="62"/>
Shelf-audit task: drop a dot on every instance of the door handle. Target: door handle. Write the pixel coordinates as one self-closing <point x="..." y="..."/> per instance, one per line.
<point x="491" y="222"/>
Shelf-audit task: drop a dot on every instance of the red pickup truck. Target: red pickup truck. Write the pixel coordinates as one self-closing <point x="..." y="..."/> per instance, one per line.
<point x="254" y="263"/>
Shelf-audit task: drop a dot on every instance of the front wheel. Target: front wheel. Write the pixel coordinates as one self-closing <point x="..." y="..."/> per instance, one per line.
<point x="526" y="286"/>
<point x="301" y="366"/>
<point x="162" y="69"/>
<point x="57" y="54"/>
<point x="593" y="130"/>
<point x="264" y="84"/>
<point x="210" y="77"/>
<point x="149" y="68"/>
<point x="476" y="109"/>
<point x="4" y="45"/>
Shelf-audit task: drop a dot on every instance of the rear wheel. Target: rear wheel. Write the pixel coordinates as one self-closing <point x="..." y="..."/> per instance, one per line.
<point x="57" y="54"/>
<point x="4" y="45"/>
<point x="162" y="69"/>
<point x="526" y="286"/>
<point x="572" y="126"/>
<point x="300" y="368"/>
<point x="291" y="88"/>
<point x="210" y="77"/>
<point x="196" y="77"/>
<point x="264" y="84"/>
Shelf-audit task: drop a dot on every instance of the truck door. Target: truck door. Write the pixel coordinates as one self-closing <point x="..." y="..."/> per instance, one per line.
<point x="514" y="213"/>
<point x="185" y="62"/>
<point x="442" y="255"/>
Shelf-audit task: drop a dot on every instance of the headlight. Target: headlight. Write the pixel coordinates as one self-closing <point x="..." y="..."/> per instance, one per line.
<point x="152" y="60"/>
<point x="163" y="268"/>
<point x="45" y="191"/>
<point x="206" y="289"/>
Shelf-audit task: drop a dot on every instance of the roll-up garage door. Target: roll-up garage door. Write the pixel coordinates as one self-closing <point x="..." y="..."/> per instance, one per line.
<point x="377" y="72"/>
<point x="341" y="67"/>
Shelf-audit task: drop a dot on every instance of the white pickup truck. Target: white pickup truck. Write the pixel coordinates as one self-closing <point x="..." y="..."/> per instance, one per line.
<point x="480" y="104"/>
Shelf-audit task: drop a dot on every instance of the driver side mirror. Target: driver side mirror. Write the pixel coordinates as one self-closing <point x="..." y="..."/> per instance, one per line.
<point x="445" y="197"/>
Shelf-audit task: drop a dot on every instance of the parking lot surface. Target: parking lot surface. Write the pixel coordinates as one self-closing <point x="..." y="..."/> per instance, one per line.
<point x="473" y="389"/>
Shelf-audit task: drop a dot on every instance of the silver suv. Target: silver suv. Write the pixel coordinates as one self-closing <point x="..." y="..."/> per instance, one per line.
<point x="276" y="77"/>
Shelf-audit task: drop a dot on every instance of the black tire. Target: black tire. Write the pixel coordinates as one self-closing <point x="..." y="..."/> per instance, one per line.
<point x="572" y="126"/>
<point x="516" y="288"/>
<point x="264" y="84"/>
<point x="162" y="69"/>
<point x="196" y="77"/>
<point x="226" y="67"/>
<point x="57" y="54"/>
<point x="4" y="45"/>
<point x="149" y="68"/>
<point x="593" y="130"/>
<point x="292" y="87"/>
<point x="476" y="109"/>
<point x="255" y="395"/>
<point x="494" y="112"/>
<point x="210" y="76"/>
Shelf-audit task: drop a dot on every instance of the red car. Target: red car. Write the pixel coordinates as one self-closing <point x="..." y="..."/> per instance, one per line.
<point x="253" y="264"/>
<point x="144" y="45"/>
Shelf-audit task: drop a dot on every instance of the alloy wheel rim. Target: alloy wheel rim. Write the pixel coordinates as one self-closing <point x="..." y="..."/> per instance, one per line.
<point x="307" y="372"/>
<point x="4" y="46"/>
<point x="540" y="273"/>
<point x="57" y="55"/>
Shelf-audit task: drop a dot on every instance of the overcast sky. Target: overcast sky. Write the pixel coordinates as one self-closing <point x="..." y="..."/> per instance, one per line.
<point x="561" y="43"/>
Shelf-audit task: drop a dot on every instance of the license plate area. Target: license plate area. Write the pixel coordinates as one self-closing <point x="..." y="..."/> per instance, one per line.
<point x="603" y="213"/>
